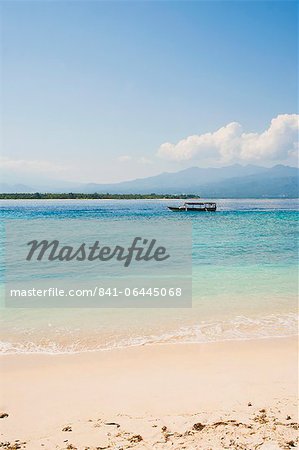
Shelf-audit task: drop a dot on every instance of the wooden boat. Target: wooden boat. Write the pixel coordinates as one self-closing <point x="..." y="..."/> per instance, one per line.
<point x="194" y="207"/>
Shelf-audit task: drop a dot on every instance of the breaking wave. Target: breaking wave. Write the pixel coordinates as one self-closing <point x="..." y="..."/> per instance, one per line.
<point x="239" y="328"/>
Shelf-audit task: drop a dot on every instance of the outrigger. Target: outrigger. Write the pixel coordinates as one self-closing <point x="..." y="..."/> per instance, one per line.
<point x="194" y="206"/>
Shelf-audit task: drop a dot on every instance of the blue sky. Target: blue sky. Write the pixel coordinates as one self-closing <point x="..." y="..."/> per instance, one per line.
<point x="93" y="89"/>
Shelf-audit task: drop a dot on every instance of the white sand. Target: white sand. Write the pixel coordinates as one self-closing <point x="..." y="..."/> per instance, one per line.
<point x="146" y="388"/>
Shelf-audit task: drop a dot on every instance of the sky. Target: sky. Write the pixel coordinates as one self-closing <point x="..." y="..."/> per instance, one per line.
<point x="99" y="91"/>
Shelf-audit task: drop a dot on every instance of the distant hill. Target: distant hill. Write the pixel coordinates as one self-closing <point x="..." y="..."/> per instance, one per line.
<point x="10" y="188"/>
<point x="232" y="181"/>
<point x="235" y="181"/>
<point x="253" y="186"/>
<point x="182" y="181"/>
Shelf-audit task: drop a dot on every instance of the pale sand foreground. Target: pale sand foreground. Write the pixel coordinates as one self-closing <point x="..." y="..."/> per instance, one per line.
<point x="239" y="395"/>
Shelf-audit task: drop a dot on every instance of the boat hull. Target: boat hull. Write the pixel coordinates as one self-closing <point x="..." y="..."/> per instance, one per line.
<point x="177" y="209"/>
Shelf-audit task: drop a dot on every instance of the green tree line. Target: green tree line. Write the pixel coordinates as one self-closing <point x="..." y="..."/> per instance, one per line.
<point x="95" y="196"/>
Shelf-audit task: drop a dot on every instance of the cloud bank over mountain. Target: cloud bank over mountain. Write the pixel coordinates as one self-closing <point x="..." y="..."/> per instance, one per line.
<point x="232" y="144"/>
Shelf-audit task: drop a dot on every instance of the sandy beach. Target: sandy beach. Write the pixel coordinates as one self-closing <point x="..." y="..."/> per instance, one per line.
<point x="240" y="395"/>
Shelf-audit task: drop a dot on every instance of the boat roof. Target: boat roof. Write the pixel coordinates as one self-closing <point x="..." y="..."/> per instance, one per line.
<point x="200" y="203"/>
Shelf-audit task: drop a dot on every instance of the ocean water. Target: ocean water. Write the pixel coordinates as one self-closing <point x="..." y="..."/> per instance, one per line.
<point x="244" y="272"/>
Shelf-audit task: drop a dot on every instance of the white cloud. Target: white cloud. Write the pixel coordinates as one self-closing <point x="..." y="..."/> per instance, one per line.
<point x="127" y="158"/>
<point x="231" y="144"/>
<point x="124" y="158"/>
<point x="29" y="165"/>
<point x="144" y="160"/>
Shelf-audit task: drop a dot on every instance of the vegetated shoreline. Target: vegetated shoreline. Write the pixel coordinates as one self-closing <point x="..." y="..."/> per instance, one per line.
<point x="107" y="196"/>
<point x="94" y="196"/>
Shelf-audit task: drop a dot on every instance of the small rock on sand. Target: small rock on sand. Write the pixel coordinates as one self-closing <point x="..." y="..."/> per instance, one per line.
<point x="3" y="415"/>
<point x="198" y="426"/>
<point x="113" y="423"/>
<point x="136" y="438"/>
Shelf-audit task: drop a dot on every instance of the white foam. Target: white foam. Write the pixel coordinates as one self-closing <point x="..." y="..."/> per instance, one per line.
<point x="238" y="328"/>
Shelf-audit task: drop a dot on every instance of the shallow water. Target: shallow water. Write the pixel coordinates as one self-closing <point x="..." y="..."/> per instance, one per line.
<point x="244" y="260"/>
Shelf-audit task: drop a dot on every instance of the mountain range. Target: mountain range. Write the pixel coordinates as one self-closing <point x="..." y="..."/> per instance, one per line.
<point x="235" y="181"/>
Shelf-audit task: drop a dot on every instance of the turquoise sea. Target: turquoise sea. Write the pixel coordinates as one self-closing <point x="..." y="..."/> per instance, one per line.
<point x="244" y="271"/>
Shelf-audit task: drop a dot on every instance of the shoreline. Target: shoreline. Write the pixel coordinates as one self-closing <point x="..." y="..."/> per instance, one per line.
<point x="146" y="344"/>
<point x="151" y="199"/>
<point x="168" y="385"/>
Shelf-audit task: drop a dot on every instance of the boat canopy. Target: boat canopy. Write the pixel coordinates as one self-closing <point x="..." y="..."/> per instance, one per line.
<point x="199" y="203"/>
